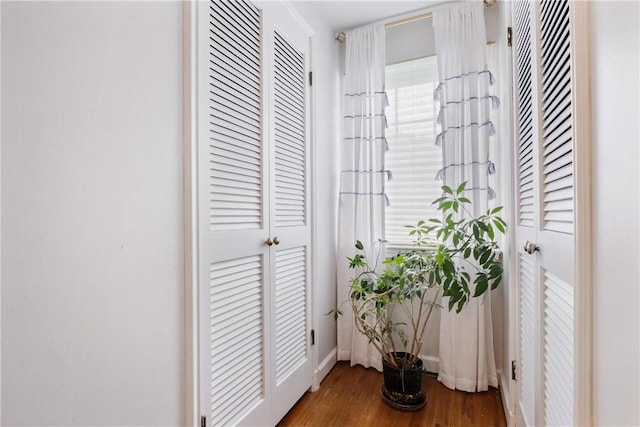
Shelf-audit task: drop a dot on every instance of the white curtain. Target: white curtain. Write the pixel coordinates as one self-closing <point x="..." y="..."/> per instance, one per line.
<point x="362" y="177"/>
<point x="466" y="339"/>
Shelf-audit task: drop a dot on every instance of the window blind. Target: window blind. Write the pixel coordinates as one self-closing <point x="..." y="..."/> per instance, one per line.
<point x="413" y="158"/>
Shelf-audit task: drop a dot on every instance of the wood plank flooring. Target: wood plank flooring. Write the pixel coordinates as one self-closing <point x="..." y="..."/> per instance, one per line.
<point x="350" y="396"/>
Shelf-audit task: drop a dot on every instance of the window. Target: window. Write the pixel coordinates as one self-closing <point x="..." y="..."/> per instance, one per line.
<point x="413" y="158"/>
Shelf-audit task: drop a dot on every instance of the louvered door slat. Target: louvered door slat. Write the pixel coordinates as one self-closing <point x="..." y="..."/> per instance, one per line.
<point x="236" y="144"/>
<point x="234" y="95"/>
<point x="290" y="310"/>
<point x="523" y="80"/>
<point x="289" y="146"/>
<point x="527" y="336"/>
<point x="236" y="284"/>
<point x="557" y="117"/>
<point x="235" y="79"/>
<point x="244" y="14"/>
<point x="224" y="54"/>
<point x="557" y="94"/>
<point x="560" y="135"/>
<point x="225" y="25"/>
<point x="290" y="133"/>
<point x="223" y="58"/>
<point x="559" y="351"/>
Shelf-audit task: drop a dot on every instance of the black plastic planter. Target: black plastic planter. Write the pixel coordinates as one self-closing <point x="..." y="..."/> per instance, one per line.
<point x="402" y="388"/>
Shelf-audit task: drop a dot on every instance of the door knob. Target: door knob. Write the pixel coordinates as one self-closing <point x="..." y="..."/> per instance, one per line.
<point x="531" y="248"/>
<point x="273" y="241"/>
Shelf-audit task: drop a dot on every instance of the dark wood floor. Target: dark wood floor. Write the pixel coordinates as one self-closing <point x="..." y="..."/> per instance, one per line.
<point x="349" y="396"/>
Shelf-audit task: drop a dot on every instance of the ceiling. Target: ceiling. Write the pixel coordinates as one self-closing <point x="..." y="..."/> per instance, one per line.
<point x="345" y="15"/>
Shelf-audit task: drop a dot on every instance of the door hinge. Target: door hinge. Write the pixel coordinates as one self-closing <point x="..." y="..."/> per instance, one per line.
<point x="509" y="36"/>
<point x="513" y="370"/>
<point x="313" y="337"/>
<point x="203" y="421"/>
<point x="310" y="78"/>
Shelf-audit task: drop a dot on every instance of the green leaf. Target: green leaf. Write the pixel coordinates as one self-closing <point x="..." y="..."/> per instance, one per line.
<point x="490" y="232"/>
<point x="447" y="189"/>
<point x="464" y="200"/>
<point x="484" y="257"/>
<point x="461" y="304"/>
<point x="359" y="245"/>
<point x="467" y="252"/>
<point x="481" y="286"/>
<point x="476" y="231"/>
<point x="496" y="209"/>
<point x="498" y="225"/>
<point x="461" y="187"/>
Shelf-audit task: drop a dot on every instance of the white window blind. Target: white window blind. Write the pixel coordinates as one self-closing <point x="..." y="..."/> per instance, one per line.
<point x="413" y="158"/>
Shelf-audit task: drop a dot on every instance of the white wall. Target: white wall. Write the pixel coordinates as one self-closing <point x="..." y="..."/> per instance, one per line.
<point x="92" y="298"/>
<point x="616" y="117"/>
<point x="326" y="138"/>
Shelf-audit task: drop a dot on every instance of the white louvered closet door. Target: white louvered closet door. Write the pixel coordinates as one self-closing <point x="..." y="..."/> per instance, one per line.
<point x="545" y="211"/>
<point x="290" y="345"/>
<point x="253" y="221"/>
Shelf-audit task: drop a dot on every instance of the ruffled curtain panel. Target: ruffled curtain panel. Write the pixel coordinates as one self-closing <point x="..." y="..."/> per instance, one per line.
<point x="362" y="177"/>
<point x="466" y="356"/>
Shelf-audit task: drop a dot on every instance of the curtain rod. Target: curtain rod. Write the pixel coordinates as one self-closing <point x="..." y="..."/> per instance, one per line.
<point x="341" y="37"/>
<point x="409" y="20"/>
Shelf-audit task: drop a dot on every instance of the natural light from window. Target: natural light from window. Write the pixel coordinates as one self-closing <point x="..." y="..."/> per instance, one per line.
<point x="413" y="158"/>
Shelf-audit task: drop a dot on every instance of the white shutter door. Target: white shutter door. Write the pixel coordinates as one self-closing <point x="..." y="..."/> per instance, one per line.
<point x="253" y="190"/>
<point x="526" y="201"/>
<point x="290" y="220"/>
<point x="555" y="236"/>
<point x="546" y="211"/>
<point x="234" y="262"/>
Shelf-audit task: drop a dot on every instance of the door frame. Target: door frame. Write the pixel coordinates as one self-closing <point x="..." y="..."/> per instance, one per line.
<point x="191" y="381"/>
<point x="583" y="241"/>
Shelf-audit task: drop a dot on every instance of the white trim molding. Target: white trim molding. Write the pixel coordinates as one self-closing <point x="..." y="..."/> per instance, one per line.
<point x="324" y="367"/>
<point x="582" y="163"/>
<point x="505" y="394"/>
<point x="190" y="212"/>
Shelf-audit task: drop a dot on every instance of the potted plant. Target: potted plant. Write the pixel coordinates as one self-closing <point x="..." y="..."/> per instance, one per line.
<point x="455" y="257"/>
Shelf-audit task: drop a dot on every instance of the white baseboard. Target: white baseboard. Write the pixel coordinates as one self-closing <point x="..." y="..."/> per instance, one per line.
<point x="505" y="393"/>
<point x="431" y="363"/>
<point x="325" y="366"/>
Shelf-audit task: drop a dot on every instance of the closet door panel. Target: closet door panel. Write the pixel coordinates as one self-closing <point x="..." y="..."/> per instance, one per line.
<point x="290" y="201"/>
<point x="233" y="221"/>
<point x="527" y="218"/>
<point x="237" y="331"/>
<point x="556" y="233"/>
<point x="253" y="190"/>
<point x="545" y="119"/>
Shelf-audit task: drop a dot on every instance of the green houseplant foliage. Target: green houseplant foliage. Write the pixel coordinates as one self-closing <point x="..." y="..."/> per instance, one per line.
<point x="456" y="257"/>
